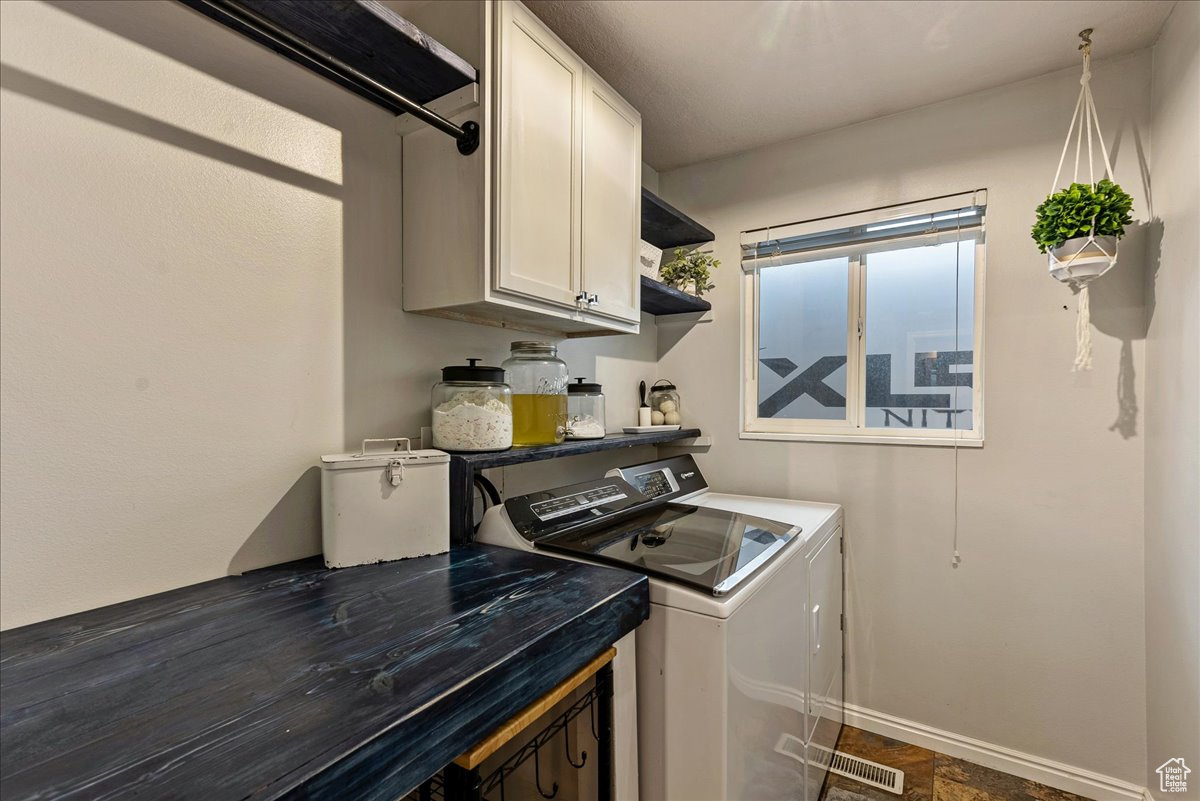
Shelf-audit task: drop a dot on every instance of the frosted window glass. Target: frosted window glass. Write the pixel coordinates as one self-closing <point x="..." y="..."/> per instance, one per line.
<point x="803" y="313"/>
<point x="919" y="342"/>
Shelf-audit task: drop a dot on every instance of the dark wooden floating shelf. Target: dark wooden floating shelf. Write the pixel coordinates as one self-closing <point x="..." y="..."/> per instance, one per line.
<point x="366" y="35"/>
<point x="665" y="226"/>
<point x="573" y="447"/>
<point x="465" y="466"/>
<point x="659" y="299"/>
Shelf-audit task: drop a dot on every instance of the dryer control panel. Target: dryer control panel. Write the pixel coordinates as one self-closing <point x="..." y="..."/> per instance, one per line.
<point x="666" y="479"/>
<point x="554" y="511"/>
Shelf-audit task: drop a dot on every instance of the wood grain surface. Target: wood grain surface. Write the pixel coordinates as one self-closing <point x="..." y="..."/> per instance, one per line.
<point x="297" y="681"/>
<point x="364" y="34"/>
<point x="489" y="745"/>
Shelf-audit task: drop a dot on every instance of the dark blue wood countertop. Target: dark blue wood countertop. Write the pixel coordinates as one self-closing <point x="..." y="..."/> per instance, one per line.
<point x="297" y="681"/>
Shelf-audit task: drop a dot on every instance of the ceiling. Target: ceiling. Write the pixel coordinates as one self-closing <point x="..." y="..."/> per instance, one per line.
<point x="717" y="77"/>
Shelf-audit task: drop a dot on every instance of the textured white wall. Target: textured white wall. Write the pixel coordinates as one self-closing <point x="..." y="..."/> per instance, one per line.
<point x="201" y="293"/>
<point x="1173" y="405"/>
<point x="1035" y="641"/>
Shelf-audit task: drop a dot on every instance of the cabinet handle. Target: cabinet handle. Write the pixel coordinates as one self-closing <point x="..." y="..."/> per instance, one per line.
<point x="581" y="298"/>
<point x="593" y="300"/>
<point x="815" y="630"/>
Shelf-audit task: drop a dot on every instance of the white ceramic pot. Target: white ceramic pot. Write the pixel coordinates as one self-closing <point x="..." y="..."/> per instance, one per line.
<point x="1079" y="260"/>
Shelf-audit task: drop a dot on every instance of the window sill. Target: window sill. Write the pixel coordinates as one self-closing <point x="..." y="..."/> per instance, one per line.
<point x="866" y="439"/>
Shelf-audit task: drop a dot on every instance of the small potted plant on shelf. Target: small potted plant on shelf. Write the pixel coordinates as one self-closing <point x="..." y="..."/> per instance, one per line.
<point x="690" y="272"/>
<point x="1079" y="227"/>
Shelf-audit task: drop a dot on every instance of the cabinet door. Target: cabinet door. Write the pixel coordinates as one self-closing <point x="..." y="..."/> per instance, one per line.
<point x="540" y="170"/>
<point x="612" y="177"/>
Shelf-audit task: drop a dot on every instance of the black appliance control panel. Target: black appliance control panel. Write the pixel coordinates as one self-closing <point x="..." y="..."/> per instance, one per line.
<point x="553" y="511"/>
<point x="666" y="479"/>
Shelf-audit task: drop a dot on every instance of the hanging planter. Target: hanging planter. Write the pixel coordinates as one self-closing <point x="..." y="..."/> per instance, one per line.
<point x="1079" y="227"/>
<point x="1083" y="258"/>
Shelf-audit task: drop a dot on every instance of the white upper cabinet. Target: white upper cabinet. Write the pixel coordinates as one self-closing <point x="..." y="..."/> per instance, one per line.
<point x="612" y="219"/>
<point x="539" y="228"/>
<point x="541" y="129"/>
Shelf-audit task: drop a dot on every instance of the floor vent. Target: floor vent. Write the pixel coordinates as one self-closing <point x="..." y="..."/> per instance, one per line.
<point x="868" y="772"/>
<point x="843" y="764"/>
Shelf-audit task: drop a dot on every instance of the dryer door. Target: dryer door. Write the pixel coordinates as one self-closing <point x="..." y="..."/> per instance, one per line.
<point x="824" y="615"/>
<point x="765" y="719"/>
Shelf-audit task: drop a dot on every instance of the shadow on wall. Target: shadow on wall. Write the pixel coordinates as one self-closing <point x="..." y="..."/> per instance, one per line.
<point x="1122" y="304"/>
<point x="293" y="516"/>
<point x="292" y="527"/>
<point x="68" y="99"/>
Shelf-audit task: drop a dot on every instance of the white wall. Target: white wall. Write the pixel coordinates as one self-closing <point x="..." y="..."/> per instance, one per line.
<point x="649" y="177"/>
<point x="1173" y="405"/>
<point x="201" y="293"/>
<point x="1036" y="641"/>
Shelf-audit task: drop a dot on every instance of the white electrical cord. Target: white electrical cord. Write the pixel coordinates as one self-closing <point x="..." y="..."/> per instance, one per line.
<point x="956" y="560"/>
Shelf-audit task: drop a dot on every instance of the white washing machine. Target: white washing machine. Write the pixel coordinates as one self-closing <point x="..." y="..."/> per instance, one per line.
<point x="738" y="671"/>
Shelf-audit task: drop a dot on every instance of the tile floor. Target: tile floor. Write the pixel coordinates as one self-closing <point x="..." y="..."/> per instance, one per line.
<point x="930" y="776"/>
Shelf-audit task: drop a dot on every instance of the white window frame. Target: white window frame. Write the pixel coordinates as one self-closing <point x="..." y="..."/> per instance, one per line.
<point x="850" y="429"/>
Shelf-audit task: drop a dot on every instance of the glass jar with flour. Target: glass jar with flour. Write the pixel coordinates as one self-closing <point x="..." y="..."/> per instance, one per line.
<point x="585" y="410"/>
<point x="472" y="409"/>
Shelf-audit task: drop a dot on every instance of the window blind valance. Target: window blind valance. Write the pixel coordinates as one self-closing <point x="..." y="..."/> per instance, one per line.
<point x="927" y="222"/>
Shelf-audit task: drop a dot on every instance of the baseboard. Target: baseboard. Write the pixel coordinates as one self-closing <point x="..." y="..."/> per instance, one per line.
<point x="1027" y="766"/>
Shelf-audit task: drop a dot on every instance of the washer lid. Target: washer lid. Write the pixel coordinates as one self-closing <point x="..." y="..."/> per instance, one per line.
<point x="712" y="550"/>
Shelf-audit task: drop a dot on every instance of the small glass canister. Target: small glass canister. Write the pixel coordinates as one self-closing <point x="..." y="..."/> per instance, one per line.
<point x="538" y="379"/>
<point x="472" y="409"/>
<point x="585" y="410"/>
<point x="664" y="404"/>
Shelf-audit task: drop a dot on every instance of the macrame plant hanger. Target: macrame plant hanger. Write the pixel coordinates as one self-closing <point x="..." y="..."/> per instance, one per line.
<point x="1092" y="259"/>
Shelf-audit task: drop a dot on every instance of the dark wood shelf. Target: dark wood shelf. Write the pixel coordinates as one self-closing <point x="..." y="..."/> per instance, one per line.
<point x="572" y="447"/>
<point x="660" y="299"/>
<point x="465" y="466"/>
<point x="366" y="35"/>
<point x="665" y="226"/>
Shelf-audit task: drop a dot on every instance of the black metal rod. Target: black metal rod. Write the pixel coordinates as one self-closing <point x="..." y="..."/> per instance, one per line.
<point x="281" y="39"/>
<point x="567" y="745"/>
<point x="461" y="784"/>
<point x="604" y="711"/>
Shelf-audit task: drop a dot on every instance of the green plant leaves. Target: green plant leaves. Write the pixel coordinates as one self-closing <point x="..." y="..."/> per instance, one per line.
<point x="1080" y="210"/>
<point x="689" y="268"/>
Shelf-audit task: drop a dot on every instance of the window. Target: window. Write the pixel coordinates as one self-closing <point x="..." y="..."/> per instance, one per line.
<point x="867" y="327"/>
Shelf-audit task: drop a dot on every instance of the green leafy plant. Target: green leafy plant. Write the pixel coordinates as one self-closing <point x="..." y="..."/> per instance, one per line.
<point x="690" y="269"/>
<point x="1073" y="212"/>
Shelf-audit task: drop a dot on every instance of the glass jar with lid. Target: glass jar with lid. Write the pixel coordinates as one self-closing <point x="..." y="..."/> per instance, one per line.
<point x="664" y="404"/>
<point x="585" y="410"/>
<point x="472" y="409"/>
<point x="538" y="379"/>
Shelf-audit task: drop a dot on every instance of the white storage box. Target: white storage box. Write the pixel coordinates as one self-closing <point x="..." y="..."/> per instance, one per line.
<point x="649" y="258"/>
<point x="380" y="505"/>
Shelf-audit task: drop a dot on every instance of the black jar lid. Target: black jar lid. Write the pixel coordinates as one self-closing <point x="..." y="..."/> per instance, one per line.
<point x="662" y="384"/>
<point x="473" y="372"/>
<point x="579" y="387"/>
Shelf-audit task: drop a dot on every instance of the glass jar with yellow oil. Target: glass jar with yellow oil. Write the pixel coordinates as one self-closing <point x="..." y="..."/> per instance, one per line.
<point x="538" y="379"/>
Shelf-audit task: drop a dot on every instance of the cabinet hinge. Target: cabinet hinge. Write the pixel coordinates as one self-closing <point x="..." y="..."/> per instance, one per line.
<point x="860" y="327"/>
<point x="842" y="544"/>
<point x="842" y="621"/>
